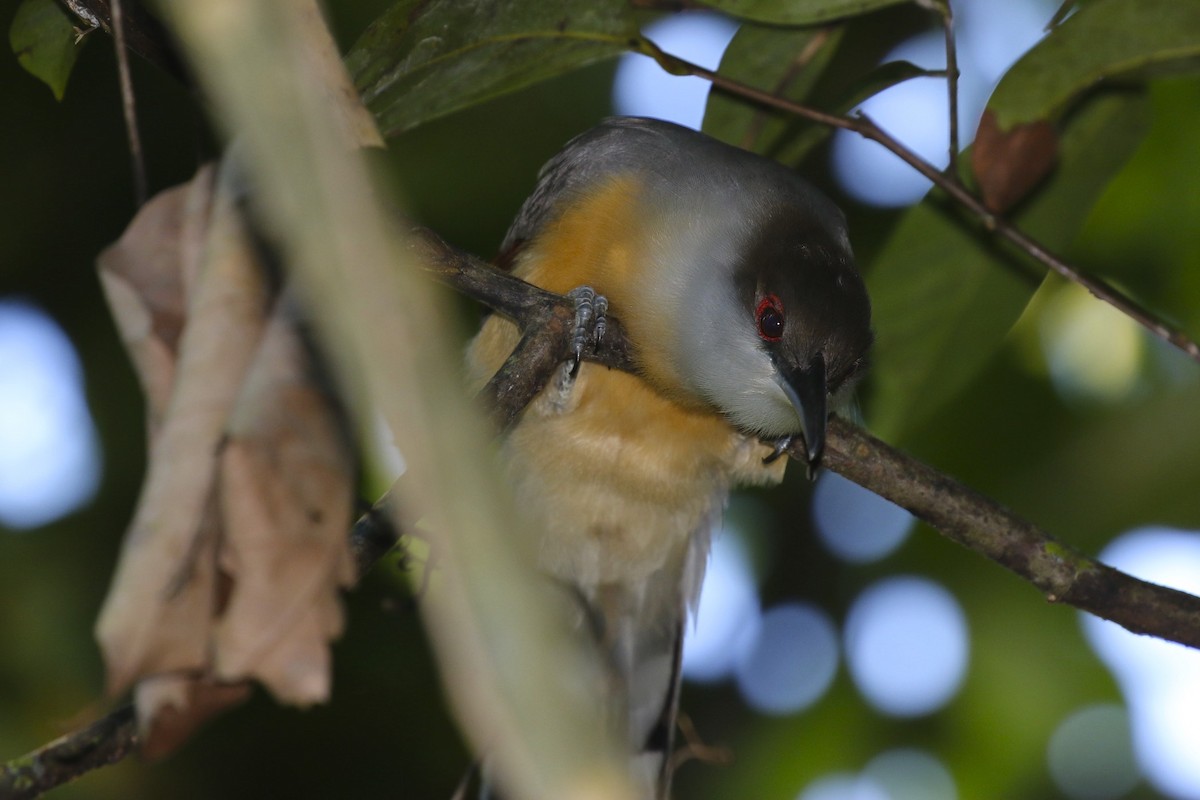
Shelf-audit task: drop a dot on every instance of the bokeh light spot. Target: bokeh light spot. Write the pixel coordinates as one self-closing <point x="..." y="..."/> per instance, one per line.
<point x="843" y="786"/>
<point x="854" y="523"/>
<point x="908" y="774"/>
<point x="990" y="37"/>
<point x="792" y="661"/>
<point x="49" y="455"/>
<point x="1094" y="352"/>
<point x="643" y="88"/>
<point x="906" y="645"/>
<point x="1090" y="755"/>
<point x="1160" y="680"/>
<point x="727" y="618"/>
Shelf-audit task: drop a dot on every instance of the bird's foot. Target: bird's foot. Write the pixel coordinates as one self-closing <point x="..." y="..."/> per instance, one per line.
<point x="591" y="311"/>
<point x="590" y="322"/>
<point x="780" y="447"/>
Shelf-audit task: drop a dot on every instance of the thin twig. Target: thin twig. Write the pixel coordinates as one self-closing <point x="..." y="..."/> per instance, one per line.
<point x="947" y="15"/>
<point x="794" y="70"/>
<point x="104" y="742"/>
<point x="114" y="736"/>
<point x="129" y="106"/>
<point x="866" y="127"/>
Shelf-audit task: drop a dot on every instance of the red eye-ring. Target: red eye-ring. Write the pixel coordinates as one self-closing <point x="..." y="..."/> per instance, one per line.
<point x="770" y="318"/>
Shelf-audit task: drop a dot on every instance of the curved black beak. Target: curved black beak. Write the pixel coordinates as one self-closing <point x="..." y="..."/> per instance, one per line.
<point x="806" y="388"/>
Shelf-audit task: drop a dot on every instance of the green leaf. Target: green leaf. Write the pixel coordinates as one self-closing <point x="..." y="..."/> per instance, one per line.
<point x="788" y="63"/>
<point x="798" y="12"/>
<point x="43" y="39"/>
<point x="426" y="58"/>
<point x="945" y="295"/>
<point x="1104" y="39"/>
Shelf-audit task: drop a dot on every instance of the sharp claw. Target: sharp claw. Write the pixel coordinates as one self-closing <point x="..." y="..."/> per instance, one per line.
<point x="778" y="448"/>
<point x="601" y="316"/>
<point x="590" y="311"/>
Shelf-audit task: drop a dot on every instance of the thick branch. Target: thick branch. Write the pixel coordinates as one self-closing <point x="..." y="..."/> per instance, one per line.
<point x="546" y="321"/>
<point x="1061" y="573"/>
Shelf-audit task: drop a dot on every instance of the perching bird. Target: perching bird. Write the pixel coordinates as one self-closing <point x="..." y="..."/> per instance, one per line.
<point x="734" y="281"/>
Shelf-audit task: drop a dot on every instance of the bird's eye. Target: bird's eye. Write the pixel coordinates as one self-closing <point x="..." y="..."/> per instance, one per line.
<point x="770" y="318"/>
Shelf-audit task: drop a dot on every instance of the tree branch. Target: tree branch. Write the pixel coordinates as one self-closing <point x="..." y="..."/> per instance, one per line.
<point x="114" y="736"/>
<point x="1061" y="573"/>
<point x="546" y="321"/>
<point x="129" y="104"/>
<point x="864" y="126"/>
<point x="104" y="742"/>
<point x="1056" y="569"/>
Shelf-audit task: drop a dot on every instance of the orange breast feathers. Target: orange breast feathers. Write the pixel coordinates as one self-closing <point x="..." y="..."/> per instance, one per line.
<point x="619" y="473"/>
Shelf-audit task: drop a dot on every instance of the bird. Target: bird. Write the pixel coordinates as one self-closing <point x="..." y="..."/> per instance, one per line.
<point x="734" y="281"/>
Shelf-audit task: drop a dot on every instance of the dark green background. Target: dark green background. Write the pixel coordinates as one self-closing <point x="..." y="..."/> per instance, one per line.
<point x="1085" y="472"/>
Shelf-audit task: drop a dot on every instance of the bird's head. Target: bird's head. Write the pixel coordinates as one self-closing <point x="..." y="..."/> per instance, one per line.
<point x="780" y="326"/>
<point x="732" y="275"/>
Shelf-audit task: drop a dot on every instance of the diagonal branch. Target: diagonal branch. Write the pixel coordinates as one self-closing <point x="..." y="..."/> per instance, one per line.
<point x="866" y="127"/>
<point x="1056" y="569"/>
<point x="104" y="742"/>
<point x="1061" y="573"/>
<point x="545" y="319"/>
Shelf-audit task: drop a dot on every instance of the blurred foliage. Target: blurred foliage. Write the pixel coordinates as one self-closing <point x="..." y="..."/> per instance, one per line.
<point x="1114" y="38"/>
<point x="1085" y="471"/>
<point x="43" y="40"/>
<point x="420" y="61"/>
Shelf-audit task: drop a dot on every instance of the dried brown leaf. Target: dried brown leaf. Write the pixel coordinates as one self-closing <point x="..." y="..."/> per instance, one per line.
<point x="158" y="612"/>
<point x="144" y="275"/>
<point x="287" y="493"/>
<point x="1009" y="164"/>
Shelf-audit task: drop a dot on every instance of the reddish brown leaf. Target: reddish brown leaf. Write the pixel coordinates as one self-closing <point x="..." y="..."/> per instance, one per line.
<point x="1009" y="164"/>
<point x="171" y="707"/>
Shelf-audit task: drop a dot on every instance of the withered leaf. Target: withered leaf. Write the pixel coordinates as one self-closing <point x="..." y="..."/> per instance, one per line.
<point x="144" y="274"/>
<point x="232" y="566"/>
<point x="159" y="610"/>
<point x="287" y="500"/>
